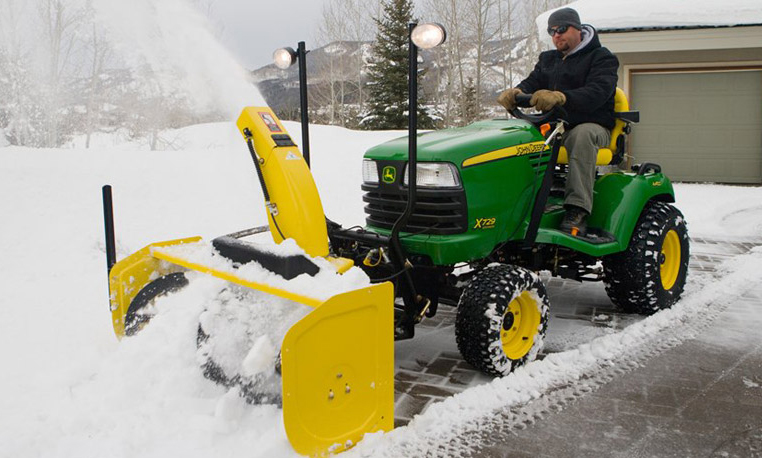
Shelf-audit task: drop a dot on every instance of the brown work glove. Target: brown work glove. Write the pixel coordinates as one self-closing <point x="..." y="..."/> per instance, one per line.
<point x="507" y="98"/>
<point x="545" y="100"/>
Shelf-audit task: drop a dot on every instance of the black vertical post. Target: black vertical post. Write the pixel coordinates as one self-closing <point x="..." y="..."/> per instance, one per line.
<point x="412" y="120"/>
<point x="397" y="253"/>
<point x="108" y="220"/>
<point x="301" y="56"/>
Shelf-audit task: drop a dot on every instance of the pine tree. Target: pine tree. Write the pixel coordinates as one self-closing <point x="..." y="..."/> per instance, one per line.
<point x="388" y="71"/>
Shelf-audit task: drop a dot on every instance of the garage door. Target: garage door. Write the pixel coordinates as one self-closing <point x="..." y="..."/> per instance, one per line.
<point x="700" y="126"/>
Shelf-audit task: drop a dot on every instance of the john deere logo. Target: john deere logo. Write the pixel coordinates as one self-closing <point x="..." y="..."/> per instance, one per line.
<point x="389" y="174"/>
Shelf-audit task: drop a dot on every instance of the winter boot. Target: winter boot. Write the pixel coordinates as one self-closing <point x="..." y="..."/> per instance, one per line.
<point x="575" y="221"/>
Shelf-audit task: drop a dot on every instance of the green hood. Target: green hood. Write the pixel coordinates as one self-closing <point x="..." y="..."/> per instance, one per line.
<point x="459" y="144"/>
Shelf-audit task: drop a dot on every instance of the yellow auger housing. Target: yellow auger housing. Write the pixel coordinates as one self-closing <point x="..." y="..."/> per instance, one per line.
<point x="337" y="363"/>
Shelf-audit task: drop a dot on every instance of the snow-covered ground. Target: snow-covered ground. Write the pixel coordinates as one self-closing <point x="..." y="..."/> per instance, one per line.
<point x="69" y="388"/>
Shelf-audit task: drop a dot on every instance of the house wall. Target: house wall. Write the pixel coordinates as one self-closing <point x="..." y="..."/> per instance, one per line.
<point x="701" y="92"/>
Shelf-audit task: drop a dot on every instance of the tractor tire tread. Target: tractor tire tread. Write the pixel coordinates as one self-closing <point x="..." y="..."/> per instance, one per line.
<point x="477" y="332"/>
<point x="632" y="277"/>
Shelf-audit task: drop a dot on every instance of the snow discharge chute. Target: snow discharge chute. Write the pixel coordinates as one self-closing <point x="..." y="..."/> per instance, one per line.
<point x="337" y="362"/>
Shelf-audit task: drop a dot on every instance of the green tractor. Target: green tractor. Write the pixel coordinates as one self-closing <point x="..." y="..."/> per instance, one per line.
<point x="484" y="220"/>
<point x="465" y="217"/>
<point x="471" y="227"/>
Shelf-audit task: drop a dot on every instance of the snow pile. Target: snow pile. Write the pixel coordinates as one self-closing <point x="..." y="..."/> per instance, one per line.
<point x="629" y="14"/>
<point x="645" y="14"/>
<point x="721" y="210"/>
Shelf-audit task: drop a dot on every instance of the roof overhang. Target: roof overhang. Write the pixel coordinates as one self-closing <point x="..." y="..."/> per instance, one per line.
<point x="682" y="39"/>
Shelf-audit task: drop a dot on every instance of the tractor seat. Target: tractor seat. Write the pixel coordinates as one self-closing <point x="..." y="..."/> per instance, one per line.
<point x="614" y="154"/>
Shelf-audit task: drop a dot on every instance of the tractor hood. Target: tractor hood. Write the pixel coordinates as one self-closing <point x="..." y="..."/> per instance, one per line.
<point x="458" y="144"/>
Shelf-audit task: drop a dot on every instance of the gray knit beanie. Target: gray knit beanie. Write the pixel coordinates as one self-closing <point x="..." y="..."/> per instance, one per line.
<point x="565" y="16"/>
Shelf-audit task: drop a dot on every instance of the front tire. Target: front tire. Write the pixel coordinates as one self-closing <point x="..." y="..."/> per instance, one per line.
<point x="501" y="320"/>
<point x="650" y="275"/>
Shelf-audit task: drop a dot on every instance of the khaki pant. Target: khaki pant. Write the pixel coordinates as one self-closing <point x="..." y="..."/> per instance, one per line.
<point x="582" y="145"/>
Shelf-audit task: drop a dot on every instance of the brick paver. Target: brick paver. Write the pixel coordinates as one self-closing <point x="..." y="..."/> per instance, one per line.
<point x="671" y="403"/>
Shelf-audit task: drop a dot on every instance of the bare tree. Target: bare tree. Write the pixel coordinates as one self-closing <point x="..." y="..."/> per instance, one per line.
<point x="453" y="78"/>
<point x="332" y="91"/>
<point x="60" y="23"/>
<point x="507" y="32"/>
<point x="100" y="52"/>
<point x="345" y="29"/>
<point x="482" y="15"/>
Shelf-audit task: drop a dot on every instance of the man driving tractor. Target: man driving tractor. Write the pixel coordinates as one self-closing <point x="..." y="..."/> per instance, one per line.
<point x="581" y="76"/>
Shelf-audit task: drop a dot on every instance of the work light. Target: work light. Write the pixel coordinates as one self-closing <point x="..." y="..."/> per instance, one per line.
<point x="284" y="57"/>
<point x="428" y="35"/>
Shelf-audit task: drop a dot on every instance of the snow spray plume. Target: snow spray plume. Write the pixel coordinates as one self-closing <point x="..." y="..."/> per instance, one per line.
<point x="173" y="41"/>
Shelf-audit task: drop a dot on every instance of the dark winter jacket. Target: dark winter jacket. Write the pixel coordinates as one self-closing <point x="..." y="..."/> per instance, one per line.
<point x="587" y="78"/>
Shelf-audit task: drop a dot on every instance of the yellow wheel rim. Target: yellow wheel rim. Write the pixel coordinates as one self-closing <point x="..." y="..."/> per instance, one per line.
<point x="520" y="324"/>
<point x="670" y="259"/>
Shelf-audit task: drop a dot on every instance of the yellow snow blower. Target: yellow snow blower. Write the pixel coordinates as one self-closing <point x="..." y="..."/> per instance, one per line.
<point x="336" y="363"/>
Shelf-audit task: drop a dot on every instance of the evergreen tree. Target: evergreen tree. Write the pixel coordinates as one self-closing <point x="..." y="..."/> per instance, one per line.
<point x="388" y="71"/>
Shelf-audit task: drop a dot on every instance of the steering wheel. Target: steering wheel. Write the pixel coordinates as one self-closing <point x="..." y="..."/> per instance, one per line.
<point x="522" y="100"/>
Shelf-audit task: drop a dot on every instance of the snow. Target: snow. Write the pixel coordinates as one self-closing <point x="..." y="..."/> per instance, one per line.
<point x="71" y="389"/>
<point x="645" y="14"/>
<point x="175" y="41"/>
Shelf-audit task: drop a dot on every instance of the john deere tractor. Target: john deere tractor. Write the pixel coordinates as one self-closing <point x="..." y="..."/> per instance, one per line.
<point x="484" y="220"/>
<point x="464" y="217"/>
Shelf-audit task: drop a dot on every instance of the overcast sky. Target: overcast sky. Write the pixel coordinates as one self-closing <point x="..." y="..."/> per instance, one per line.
<point x="253" y="29"/>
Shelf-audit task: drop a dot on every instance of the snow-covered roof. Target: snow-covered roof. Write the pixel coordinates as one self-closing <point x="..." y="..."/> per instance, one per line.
<point x="662" y="14"/>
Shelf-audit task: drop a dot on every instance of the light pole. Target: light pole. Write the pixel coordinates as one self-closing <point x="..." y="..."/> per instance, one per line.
<point x="425" y="36"/>
<point x="284" y="58"/>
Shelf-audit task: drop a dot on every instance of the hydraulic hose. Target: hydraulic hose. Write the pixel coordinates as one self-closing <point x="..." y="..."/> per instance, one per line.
<point x="262" y="183"/>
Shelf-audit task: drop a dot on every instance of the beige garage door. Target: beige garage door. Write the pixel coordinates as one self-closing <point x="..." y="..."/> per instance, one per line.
<point x="700" y="126"/>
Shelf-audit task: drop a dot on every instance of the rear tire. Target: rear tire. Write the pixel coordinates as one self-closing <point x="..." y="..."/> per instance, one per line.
<point x="501" y="320"/>
<point x="650" y="275"/>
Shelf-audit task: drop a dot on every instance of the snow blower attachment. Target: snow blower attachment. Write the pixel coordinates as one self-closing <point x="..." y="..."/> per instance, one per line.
<point x="337" y="362"/>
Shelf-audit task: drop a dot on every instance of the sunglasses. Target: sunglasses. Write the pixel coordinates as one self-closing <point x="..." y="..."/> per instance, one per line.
<point x="558" y="30"/>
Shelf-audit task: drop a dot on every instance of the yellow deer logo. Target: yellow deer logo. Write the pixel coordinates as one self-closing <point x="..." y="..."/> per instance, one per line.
<point x="389" y="174"/>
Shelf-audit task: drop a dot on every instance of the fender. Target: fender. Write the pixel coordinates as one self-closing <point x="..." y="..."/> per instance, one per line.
<point x="618" y="201"/>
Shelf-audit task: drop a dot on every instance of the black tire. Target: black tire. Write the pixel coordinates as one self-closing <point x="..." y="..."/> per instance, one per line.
<point x="500" y="297"/>
<point x="137" y="316"/>
<point x="650" y="275"/>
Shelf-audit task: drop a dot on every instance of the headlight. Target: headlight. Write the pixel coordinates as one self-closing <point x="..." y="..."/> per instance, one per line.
<point x="435" y="175"/>
<point x="369" y="171"/>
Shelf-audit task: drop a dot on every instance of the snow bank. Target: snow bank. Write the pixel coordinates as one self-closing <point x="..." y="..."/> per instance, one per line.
<point x="721" y="211"/>
<point x="630" y="14"/>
